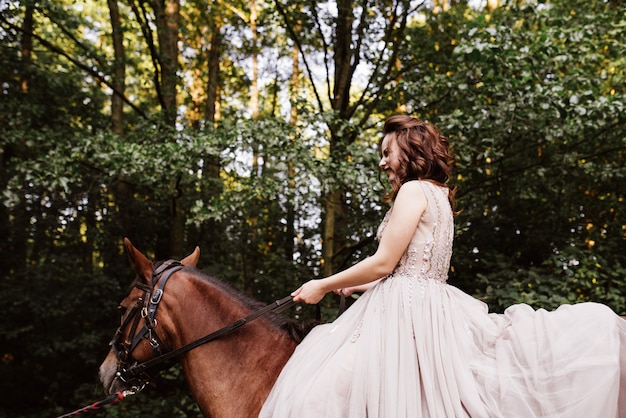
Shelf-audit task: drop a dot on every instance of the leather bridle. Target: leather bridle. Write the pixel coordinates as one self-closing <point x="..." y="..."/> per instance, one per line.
<point x="145" y="309"/>
<point x="129" y="370"/>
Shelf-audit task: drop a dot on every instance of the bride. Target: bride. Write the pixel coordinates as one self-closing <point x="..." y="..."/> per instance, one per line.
<point x="413" y="346"/>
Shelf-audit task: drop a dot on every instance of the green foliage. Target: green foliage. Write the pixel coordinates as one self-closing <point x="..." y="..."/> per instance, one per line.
<point x="49" y="311"/>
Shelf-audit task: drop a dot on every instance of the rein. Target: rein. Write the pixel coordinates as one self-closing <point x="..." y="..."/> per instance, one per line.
<point x="115" y="398"/>
<point x="274" y="307"/>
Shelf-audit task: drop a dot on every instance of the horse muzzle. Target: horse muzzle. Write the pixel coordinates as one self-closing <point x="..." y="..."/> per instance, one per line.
<point x="108" y="376"/>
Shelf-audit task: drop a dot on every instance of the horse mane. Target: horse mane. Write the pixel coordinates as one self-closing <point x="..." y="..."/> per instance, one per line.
<point x="295" y="329"/>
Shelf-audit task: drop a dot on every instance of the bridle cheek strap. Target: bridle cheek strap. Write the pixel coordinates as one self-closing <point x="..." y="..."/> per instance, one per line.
<point x="146" y="308"/>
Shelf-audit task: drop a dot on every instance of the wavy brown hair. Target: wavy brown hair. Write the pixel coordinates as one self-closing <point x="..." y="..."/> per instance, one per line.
<point x="425" y="152"/>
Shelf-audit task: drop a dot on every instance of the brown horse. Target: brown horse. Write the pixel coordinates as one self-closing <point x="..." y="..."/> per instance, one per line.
<point x="230" y="376"/>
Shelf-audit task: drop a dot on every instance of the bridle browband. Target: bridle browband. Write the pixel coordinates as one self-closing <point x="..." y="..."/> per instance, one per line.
<point x="130" y="370"/>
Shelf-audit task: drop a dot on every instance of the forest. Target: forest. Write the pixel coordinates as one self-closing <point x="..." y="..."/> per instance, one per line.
<point x="251" y="128"/>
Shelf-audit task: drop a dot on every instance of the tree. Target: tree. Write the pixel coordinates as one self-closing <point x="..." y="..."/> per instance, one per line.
<point x="352" y="26"/>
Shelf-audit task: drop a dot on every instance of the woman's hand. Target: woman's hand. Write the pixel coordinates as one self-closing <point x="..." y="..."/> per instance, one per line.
<point x="346" y="291"/>
<point x="311" y="292"/>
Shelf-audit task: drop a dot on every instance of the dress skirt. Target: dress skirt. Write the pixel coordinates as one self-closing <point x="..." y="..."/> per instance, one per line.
<point x="416" y="347"/>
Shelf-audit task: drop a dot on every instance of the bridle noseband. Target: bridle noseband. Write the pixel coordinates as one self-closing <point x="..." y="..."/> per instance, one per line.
<point x="146" y="309"/>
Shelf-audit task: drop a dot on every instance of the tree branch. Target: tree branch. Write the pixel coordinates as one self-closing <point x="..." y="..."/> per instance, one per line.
<point x="296" y="39"/>
<point x="95" y="74"/>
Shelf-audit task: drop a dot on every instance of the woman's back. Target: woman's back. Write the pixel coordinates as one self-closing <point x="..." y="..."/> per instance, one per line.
<point x="429" y="252"/>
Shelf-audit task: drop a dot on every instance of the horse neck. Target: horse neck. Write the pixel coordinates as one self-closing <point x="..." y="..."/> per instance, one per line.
<point x="233" y="375"/>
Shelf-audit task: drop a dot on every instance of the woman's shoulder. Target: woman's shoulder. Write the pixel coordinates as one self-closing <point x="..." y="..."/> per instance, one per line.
<point x="411" y="185"/>
<point x="423" y="185"/>
<point x="417" y="185"/>
<point x="411" y="191"/>
<point x="421" y="190"/>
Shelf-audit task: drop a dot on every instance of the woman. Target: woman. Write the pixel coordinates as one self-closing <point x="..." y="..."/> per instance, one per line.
<point x="414" y="346"/>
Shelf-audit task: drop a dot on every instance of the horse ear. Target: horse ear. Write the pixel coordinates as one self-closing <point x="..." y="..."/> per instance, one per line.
<point x="191" y="259"/>
<point x="140" y="264"/>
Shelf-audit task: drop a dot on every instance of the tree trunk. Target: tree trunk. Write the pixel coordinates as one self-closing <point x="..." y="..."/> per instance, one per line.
<point x="167" y="13"/>
<point x="20" y="239"/>
<point x="119" y="70"/>
<point x="211" y="184"/>
<point x="333" y="208"/>
<point x="254" y="88"/>
<point x="290" y="233"/>
<point x="215" y="54"/>
<point x="344" y="54"/>
<point x="15" y="222"/>
<point x="27" y="46"/>
<point x="344" y="60"/>
<point x="251" y="254"/>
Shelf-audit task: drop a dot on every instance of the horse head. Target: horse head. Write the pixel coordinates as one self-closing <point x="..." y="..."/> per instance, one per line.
<point x="230" y="377"/>
<point x="138" y="339"/>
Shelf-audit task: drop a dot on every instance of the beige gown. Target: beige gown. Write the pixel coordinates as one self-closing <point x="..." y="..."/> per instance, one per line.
<point x="413" y="346"/>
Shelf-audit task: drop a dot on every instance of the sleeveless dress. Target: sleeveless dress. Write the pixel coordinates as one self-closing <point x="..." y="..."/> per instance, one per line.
<point x="413" y="346"/>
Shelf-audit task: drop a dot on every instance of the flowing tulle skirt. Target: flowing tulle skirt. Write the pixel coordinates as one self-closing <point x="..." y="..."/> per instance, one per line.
<point x="421" y="348"/>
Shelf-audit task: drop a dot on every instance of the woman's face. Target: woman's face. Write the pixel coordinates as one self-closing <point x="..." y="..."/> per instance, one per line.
<point x="390" y="158"/>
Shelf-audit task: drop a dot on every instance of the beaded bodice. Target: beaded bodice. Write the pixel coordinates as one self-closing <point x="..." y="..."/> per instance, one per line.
<point x="428" y="254"/>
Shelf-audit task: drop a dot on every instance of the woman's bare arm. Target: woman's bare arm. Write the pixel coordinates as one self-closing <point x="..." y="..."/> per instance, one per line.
<point x="407" y="211"/>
